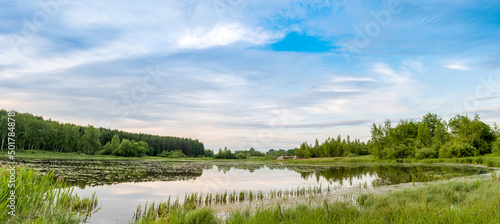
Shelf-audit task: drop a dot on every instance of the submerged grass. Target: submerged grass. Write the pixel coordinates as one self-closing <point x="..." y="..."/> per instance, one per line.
<point x="464" y="201"/>
<point x="42" y="199"/>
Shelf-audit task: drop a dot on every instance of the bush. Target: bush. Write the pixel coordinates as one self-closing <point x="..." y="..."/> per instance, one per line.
<point x="173" y="154"/>
<point x="496" y="146"/>
<point x="107" y="149"/>
<point x="426" y="153"/>
<point x="225" y="154"/>
<point x="453" y="149"/>
<point x="130" y="148"/>
<point x="241" y="156"/>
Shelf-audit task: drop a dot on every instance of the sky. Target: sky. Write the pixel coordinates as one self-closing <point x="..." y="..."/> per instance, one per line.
<point x="261" y="73"/>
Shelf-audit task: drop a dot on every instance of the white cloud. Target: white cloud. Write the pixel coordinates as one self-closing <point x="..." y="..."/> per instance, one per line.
<point x="457" y="66"/>
<point x="223" y="34"/>
<point x="225" y="79"/>
<point x="391" y="76"/>
<point x="353" y="79"/>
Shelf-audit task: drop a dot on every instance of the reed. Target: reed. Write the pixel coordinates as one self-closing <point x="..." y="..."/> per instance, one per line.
<point x="43" y="199"/>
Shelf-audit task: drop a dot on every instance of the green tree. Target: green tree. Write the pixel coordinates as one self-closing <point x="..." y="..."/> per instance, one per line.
<point x="124" y="149"/>
<point x="424" y="136"/>
<point x="377" y="140"/>
<point x="112" y="146"/>
<point x="91" y="141"/>
<point x="3" y="129"/>
<point x="209" y="153"/>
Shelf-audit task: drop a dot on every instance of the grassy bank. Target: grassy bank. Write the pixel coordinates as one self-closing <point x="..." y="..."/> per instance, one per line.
<point x="47" y="155"/>
<point x="41" y="199"/>
<point x="489" y="160"/>
<point x="465" y="201"/>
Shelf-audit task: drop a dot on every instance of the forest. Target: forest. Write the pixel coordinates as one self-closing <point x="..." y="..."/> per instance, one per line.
<point x="432" y="137"/>
<point x="33" y="132"/>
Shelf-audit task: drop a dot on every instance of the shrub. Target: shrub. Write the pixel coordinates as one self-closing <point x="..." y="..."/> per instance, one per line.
<point x="173" y="154"/>
<point x="496" y="146"/>
<point x="455" y="149"/>
<point x="425" y="153"/>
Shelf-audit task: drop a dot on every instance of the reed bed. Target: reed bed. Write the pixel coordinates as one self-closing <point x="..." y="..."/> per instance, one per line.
<point x="42" y="199"/>
<point x="463" y="201"/>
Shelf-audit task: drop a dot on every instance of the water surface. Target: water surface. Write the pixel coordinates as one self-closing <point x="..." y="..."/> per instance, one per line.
<point x="122" y="185"/>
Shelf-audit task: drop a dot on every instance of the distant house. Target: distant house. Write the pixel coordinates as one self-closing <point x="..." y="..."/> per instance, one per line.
<point x="287" y="157"/>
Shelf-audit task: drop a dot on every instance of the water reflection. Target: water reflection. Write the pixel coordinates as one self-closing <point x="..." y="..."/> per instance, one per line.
<point x="96" y="173"/>
<point x="388" y="174"/>
<point x="122" y="185"/>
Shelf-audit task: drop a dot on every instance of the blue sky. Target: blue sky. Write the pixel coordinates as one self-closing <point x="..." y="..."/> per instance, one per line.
<point x="262" y="73"/>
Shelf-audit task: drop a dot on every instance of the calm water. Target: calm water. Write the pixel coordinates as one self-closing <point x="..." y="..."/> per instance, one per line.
<point x="121" y="186"/>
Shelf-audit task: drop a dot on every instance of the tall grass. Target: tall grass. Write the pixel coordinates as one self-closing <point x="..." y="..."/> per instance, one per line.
<point x="468" y="201"/>
<point x="42" y="199"/>
<point x="453" y="202"/>
<point x="487" y="160"/>
<point x="174" y="212"/>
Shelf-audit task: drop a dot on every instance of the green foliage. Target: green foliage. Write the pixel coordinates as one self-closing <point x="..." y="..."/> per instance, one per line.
<point x="173" y="154"/>
<point x="42" y="199"/>
<point x="241" y="156"/>
<point x="129" y="148"/>
<point x="424" y="134"/>
<point x="430" y="138"/>
<point x="33" y="133"/>
<point x="457" y="148"/>
<point x="496" y="147"/>
<point x="281" y="152"/>
<point x="91" y="141"/>
<point x="107" y="149"/>
<point x="332" y="147"/>
<point x="244" y="154"/>
<point x="225" y="154"/>
<point x="208" y="153"/>
<point x="426" y="153"/>
<point x="474" y="132"/>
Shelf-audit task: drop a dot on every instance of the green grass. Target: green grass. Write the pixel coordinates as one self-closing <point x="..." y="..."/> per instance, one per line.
<point x="465" y="201"/>
<point x="42" y="199"/>
<point x="330" y="160"/>
<point x="489" y="160"/>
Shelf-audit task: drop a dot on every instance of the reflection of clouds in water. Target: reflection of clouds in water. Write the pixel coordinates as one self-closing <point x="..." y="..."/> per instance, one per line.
<point x="120" y="200"/>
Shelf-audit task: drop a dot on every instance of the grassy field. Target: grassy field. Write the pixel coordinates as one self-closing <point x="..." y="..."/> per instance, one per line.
<point x="464" y="201"/>
<point x="41" y="199"/>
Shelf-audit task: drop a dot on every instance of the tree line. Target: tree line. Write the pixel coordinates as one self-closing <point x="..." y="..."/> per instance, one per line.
<point x="432" y="137"/>
<point x="333" y="147"/>
<point x="238" y="154"/>
<point x="33" y="132"/>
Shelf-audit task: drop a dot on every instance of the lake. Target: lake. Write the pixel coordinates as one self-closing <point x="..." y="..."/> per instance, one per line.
<point x="123" y="185"/>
